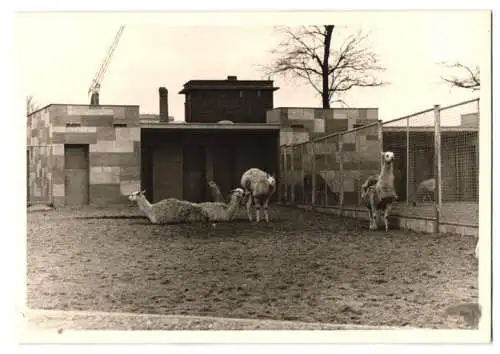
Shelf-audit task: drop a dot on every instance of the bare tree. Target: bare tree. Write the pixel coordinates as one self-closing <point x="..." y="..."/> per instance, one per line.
<point x="468" y="77"/>
<point x="307" y="54"/>
<point x="31" y="106"/>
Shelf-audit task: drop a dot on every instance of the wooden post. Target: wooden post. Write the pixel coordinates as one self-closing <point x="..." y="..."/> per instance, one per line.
<point x="380" y="134"/>
<point x="285" y="174"/>
<point x="303" y="152"/>
<point x="292" y="173"/>
<point x="325" y="182"/>
<point x="437" y="164"/>
<point x="407" y="161"/>
<point x="341" y="173"/>
<point x="313" y="173"/>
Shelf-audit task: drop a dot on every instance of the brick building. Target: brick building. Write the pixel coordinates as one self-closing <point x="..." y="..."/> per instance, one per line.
<point x="81" y="154"/>
<point x="240" y="101"/>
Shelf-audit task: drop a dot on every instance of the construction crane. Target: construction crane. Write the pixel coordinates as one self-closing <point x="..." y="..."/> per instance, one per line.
<point x="96" y="82"/>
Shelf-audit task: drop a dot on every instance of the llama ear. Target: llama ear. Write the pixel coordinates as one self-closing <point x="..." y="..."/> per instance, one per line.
<point x="143" y="192"/>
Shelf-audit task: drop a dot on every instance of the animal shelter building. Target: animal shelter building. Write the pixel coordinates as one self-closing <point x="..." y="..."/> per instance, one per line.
<point x="98" y="154"/>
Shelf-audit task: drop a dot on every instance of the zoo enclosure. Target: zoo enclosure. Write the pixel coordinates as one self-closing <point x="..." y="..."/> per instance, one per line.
<point x="437" y="143"/>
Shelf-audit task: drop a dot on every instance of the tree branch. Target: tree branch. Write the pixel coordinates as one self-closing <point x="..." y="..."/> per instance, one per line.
<point x="305" y="53"/>
<point x="470" y="78"/>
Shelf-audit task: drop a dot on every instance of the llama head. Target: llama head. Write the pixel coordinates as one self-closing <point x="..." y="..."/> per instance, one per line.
<point x="133" y="196"/>
<point x="238" y="195"/>
<point x="212" y="184"/>
<point x="388" y="156"/>
<point x="271" y="179"/>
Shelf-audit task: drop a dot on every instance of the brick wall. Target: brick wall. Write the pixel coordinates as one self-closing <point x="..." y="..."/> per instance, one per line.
<point x="235" y="105"/>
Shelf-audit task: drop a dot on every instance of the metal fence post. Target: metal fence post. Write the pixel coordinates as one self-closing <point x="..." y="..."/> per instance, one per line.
<point x="313" y="173"/>
<point x="437" y="163"/>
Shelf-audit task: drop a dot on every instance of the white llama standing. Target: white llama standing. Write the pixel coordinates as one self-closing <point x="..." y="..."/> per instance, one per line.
<point x="379" y="193"/>
<point x="259" y="187"/>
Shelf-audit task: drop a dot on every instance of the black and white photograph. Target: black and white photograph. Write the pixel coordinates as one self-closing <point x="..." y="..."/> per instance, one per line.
<point x="256" y="172"/>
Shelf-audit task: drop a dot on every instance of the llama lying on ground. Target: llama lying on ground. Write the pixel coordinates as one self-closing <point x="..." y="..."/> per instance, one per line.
<point x="219" y="211"/>
<point x="378" y="192"/>
<point x="170" y="210"/>
<point x="426" y="189"/>
<point x="259" y="187"/>
<point x="216" y="193"/>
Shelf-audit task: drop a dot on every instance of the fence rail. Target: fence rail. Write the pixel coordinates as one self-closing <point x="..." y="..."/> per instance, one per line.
<point x="436" y="168"/>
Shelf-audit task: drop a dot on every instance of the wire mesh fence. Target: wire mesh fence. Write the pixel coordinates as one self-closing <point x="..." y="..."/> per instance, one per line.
<point x="39" y="176"/>
<point x="436" y="164"/>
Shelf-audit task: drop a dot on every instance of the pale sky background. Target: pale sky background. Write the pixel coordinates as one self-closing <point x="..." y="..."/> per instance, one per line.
<point x="59" y="54"/>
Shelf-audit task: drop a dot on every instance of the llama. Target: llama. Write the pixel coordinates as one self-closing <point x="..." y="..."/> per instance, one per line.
<point x="169" y="210"/>
<point x="216" y="193"/>
<point x="259" y="186"/>
<point x="425" y="188"/>
<point x="378" y="192"/>
<point x="368" y="196"/>
<point x="220" y="211"/>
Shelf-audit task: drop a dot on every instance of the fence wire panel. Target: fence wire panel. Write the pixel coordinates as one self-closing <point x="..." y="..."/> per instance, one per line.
<point x="321" y="156"/>
<point x="351" y="173"/>
<point x="307" y="164"/>
<point x="459" y="128"/>
<point x="287" y="174"/>
<point x="328" y="167"/>
<point x="282" y="174"/>
<point x="297" y="175"/>
<point x="361" y="159"/>
<point x="39" y="176"/>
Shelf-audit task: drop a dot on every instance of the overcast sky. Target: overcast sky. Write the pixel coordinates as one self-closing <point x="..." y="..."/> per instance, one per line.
<point x="58" y="55"/>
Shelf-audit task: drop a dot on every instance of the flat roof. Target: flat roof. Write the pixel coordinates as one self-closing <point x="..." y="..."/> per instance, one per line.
<point x="228" y="84"/>
<point x="83" y="105"/>
<point x="210" y="126"/>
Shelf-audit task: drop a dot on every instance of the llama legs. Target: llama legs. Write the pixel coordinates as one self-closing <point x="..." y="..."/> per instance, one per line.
<point x="373" y="214"/>
<point x="249" y="206"/>
<point x="266" y="215"/>
<point x="257" y="209"/>
<point x="386" y="214"/>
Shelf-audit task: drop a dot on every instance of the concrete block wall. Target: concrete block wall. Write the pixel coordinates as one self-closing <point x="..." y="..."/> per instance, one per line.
<point x="113" y="136"/>
<point x="39" y="172"/>
<point x="360" y="158"/>
<point x="318" y="121"/>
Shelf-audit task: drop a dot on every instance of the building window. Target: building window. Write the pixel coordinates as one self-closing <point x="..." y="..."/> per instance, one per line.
<point x="73" y="125"/>
<point x="299" y="126"/>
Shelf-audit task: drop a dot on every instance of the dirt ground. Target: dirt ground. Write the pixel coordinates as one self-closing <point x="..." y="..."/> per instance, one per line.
<point x="302" y="266"/>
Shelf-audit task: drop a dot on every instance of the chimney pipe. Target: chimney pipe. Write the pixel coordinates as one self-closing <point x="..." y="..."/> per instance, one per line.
<point x="163" y="104"/>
